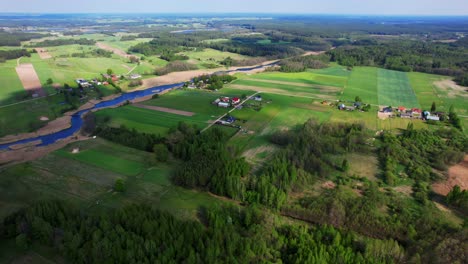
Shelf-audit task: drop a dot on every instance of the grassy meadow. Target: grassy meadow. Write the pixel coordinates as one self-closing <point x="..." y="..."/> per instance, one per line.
<point x="87" y="178"/>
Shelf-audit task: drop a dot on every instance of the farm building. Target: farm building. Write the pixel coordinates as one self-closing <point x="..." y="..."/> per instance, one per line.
<point x="258" y="98"/>
<point x="387" y="109"/>
<point x="406" y="114"/>
<point x="433" y="118"/>
<point x="134" y="76"/>
<point x="215" y="102"/>
<point x="235" y="100"/>
<point x="401" y="109"/>
<point x="224" y="104"/>
<point x="83" y="83"/>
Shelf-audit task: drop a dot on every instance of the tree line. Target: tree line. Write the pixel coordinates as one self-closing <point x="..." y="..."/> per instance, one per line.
<point x="13" y="54"/>
<point x="61" y="42"/>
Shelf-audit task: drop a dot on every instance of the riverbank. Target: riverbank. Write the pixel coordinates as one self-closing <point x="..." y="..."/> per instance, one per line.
<point x="24" y="151"/>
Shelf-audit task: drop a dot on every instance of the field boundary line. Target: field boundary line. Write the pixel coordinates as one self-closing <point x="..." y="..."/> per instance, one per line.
<point x="3" y="106"/>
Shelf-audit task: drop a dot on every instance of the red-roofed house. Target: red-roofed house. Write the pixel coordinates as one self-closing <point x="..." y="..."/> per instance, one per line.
<point x="401" y="109"/>
<point x="225" y="99"/>
<point x="416" y="110"/>
<point x="235" y="100"/>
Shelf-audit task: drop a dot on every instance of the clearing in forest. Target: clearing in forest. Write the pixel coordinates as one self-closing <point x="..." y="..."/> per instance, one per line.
<point x="43" y="53"/>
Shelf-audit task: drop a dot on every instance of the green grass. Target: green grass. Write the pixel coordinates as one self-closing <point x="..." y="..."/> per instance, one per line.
<point x="425" y="90"/>
<point x="149" y="121"/>
<point x="362" y="82"/>
<point x="394" y="89"/>
<point x="284" y="112"/>
<point x="308" y="77"/>
<point x="334" y="70"/>
<point x="288" y="88"/>
<point x="105" y="161"/>
<point x="11" y="87"/>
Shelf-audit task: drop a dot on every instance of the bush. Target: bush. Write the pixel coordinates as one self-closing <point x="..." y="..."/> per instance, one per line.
<point x="119" y="185"/>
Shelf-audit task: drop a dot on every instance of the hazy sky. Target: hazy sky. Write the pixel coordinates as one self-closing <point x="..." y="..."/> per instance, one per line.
<point x="373" y="7"/>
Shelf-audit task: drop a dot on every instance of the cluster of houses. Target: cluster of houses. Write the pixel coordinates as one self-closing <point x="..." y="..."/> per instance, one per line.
<point x="415" y="113"/>
<point x="82" y="83"/>
<point x="226" y="102"/>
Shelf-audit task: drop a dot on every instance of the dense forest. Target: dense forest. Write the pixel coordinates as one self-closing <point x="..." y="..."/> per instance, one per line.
<point x="140" y="234"/>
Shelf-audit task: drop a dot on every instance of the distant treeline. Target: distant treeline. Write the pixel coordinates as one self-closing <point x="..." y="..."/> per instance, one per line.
<point x="13" y="54"/>
<point x="61" y="42"/>
<point x="129" y="137"/>
<point x="14" y="39"/>
<point x="245" y="45"/>
<point x="93" y="54"/>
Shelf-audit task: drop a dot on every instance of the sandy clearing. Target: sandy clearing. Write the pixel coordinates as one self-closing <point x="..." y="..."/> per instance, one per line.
<point x="29" y="153"/>
<point x="116" y="51"/>
<point x="281" y="92"/>
<point x="452" y="88"/>
<point x="315" y="53"/>
<point x="28" y="77"/>
<point x="457" y="175"/>
<point x="165" y="109"/>
<point x="251" y="154"/>
<point x="43" y="53"/>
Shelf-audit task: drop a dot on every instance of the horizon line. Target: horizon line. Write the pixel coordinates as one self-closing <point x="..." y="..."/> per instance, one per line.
<point x="231" y="14"/>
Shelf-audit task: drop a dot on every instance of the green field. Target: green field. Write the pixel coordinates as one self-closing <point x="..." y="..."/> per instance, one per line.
<point x="11" y="89"/>
<point x="362" y="82"/>
<point x="308" y="77"/>
<point x="149" y="121"/>
<point x="395" y="89"/>
<point x="87" y="179"/>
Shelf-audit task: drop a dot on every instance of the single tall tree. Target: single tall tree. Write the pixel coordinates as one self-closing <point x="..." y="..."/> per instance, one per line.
<point x="433" y="107"/>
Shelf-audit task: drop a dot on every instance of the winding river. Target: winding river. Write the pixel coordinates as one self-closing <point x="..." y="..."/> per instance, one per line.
<point x="77" y="121"/>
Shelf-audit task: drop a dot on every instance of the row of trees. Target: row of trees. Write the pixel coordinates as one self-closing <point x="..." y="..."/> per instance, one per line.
<point x="13" y="54"/>
<point x="61" y="42"/>
<point x="213" y="81"/>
